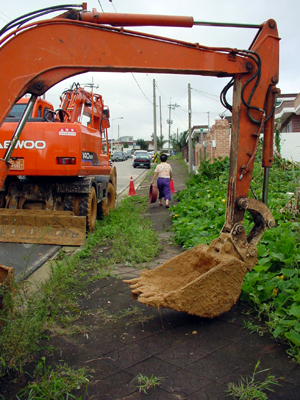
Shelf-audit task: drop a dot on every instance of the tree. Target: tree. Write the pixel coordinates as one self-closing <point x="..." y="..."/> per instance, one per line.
<point x="143" y="145"/>
<point x="126" y="145"/>
<point x="160" y="142"/>
<point x="181" y="142"/>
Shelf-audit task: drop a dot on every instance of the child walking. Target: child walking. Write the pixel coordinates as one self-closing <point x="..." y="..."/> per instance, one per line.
<point x="164" y="173"/>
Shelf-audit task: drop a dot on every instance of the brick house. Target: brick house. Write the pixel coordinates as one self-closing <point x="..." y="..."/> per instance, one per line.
<point x="287" y="112"/>
<point x="287" y="116"/>
<point x="216" y="143"/>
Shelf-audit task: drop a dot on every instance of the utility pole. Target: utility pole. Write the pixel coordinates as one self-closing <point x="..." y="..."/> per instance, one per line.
<point x="160" y="120"/>
<point x="169" y="121"/>
<point x="154" y="118"/>
<point x="190" y="130"/>
<point x="112" y="131"/>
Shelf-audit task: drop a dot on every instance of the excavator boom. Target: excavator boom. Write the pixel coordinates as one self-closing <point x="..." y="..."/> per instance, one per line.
<point x="81" y="41"/>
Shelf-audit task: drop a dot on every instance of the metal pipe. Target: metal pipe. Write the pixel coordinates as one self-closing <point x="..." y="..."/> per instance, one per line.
<point x="266" y="185"/>
<point x="227" y="24"/>
<point x="20" y="127"/>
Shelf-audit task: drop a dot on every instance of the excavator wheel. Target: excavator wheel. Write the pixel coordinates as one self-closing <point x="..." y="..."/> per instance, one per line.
<point x="108" y="204"/>
<point x="2" y="200"/>
<point x="88" y="208"/>
<point x="113" y="176"/>
<point x="69" y="203"/>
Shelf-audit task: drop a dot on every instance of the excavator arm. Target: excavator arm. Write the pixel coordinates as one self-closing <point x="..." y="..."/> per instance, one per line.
<point x="46" y="52"/>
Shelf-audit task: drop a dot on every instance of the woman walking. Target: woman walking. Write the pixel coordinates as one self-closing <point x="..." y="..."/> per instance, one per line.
<point x="164" y="173"/>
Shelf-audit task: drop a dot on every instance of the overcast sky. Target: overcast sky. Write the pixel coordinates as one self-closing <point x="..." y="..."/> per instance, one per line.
<point x="131" y="95"/>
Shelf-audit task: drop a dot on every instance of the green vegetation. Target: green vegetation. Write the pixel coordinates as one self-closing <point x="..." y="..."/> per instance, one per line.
<point x="272" y="287"/>
<point x="249" y="389"/>
<point x="133" y="239"/>
<point x="30" y="313"/>
<point x="144" y="383"/>
<point x="54" y="383"/>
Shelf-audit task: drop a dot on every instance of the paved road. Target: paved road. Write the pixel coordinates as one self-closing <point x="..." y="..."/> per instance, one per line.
<point x="27" y="258"/>
<point x="125" y="170"/>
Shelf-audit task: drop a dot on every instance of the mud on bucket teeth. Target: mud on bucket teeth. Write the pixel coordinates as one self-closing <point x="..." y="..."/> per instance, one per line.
<point x="204" y="281"/>
<point x="42" y="227"/>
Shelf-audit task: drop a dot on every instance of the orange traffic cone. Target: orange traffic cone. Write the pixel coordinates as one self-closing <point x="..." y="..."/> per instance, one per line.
<point x="131" y="188"/>
<point x="172" y="187"/>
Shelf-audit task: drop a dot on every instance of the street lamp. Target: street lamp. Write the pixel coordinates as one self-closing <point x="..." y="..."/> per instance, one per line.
<point x="112" y="131"/>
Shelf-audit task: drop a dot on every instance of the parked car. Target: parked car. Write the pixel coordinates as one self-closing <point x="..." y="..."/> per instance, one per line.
<point x="151" y="154"/>
<point x="129" y="153"/>
<point x="142" y="160"/>
<point x="118" y="156"/>
<point x="140" y="152"/>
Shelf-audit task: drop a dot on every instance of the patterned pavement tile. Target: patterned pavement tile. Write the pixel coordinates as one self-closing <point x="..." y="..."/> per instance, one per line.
<point x="154" y="394"/>
<point x="225" y="330"/>
<point x="128" y="355"/>
<point x="240" y="355"/>
<point x="286" y="392"/>
<point x="153" y="366"/>
<point x="181" y="355"/>
<point x="206" y="343"/>
<point x="280" y="369"/>
<point x="294" y="376"/>
<point x="97" y="344"/>
<point x="184" y="383"/>
<point x="210" y="367"/>
<point x="213" y="391"/>
<point x="113" y="387"/>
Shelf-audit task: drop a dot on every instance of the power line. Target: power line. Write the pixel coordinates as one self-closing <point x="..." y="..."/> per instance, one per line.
<point x="141" y="88"/>
<point x="207" y="95"/>
<point x="100" y="6"/>
<point x="113" y="5"/>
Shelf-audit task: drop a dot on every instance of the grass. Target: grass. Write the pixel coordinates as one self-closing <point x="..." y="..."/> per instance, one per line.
<point x="53" y="306"/>
<point x="56" y="382"/>
<point x="144" y="383"/>
<point x="253" y="328"/>
<point x="131" y="235"/>
<point x="251" y="389"/>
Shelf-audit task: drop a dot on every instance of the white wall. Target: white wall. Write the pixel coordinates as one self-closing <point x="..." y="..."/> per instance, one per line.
<point x="290" y="146"/>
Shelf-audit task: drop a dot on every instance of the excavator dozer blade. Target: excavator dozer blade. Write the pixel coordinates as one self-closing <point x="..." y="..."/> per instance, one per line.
<point x="42" y="227"/>
<point x="204" y="281"/>
<point x="6" y="276"/>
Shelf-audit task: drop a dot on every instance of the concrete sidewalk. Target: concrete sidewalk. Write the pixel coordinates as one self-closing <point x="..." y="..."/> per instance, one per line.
<point x="196" y="357"/>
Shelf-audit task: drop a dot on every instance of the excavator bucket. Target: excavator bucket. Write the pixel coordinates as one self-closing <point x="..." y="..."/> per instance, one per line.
<point x="42" y="227"/>
<point x="204" y="281"/>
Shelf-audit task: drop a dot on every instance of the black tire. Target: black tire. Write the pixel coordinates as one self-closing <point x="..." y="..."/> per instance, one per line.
<point x="69" y="203"/>
<point x="134" y="166"/>
<point x="109" y="203"/>
<point x="88" y="208"/>
<point x="2" y="200"/>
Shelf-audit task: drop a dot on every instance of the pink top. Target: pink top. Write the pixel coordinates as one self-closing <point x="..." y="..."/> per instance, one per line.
<point x="163" y="170"/>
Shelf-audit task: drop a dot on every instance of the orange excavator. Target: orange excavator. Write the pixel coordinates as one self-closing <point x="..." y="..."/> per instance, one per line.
<point x="205" y="280"/>
<point x="60" y="179"/>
